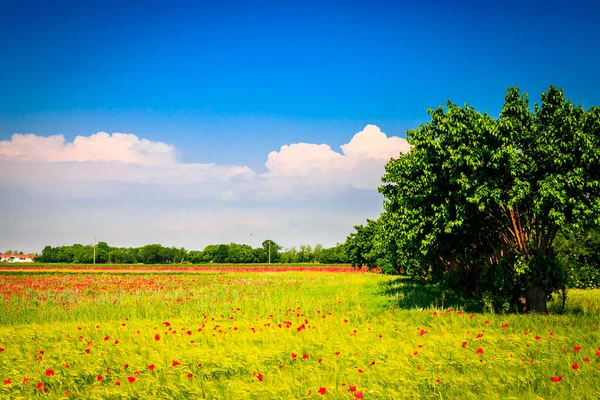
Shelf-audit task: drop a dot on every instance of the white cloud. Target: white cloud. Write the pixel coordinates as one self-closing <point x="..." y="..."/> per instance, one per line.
<point x="134" y="183"/>
<point x="360" y="166"/>
<point x="118" y="147"/>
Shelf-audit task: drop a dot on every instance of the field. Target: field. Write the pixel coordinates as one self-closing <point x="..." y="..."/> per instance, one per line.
<point x="282" y="334"/>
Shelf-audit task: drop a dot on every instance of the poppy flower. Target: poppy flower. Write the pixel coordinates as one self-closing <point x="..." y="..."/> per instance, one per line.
<point x="352" y="388"/>
<point x="259" y="377"/>
<point x="598" y="353"/>
<point x="49" y="372"/>
<point x="480" y="351"/>
<point x="175" y="363"/>
<point x="337" y="353"/>
<point x="151" y="367"/>
<point x="587" y="359"/>
<point x="305" y="356"/>
<point x="575" y="366"/>
<point x="576" y="348"/>
<point x="190" y="375"/>
<point x="67" y="366"/>
<point x="26" y="379"/>
<point x="437" y="380"/>
<point x="464" y="344"/>
<point x="320" y="360"/>
<point x="131" y="379"/>
<point x="556" y="379"/>
<point x="39" y="386"/>
<point x="67" y="392"/>
<point x="504" y="326"/>
<point x="7" y="382"/>
<point x="99" y="377"/>
<point x="358" y="395"/>
<point x="166" y="324"/>
<point x="106" y="337"/>
<point x="360" y="371"/>
<point x="372" y="363"/>
<point x="537" y="338"/>
<point x="294" y="355"/>
<point x="322" y="391"/>
<point x="117" y="383"/>
<point x="1" y="349"/>
<point x="157" y="337"/>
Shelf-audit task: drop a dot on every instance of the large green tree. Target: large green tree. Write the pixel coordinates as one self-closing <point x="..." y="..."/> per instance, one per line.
<point x="481" y="199"/>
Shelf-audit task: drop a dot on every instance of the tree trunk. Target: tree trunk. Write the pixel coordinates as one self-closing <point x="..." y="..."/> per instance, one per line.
<point x="536" y="299"/>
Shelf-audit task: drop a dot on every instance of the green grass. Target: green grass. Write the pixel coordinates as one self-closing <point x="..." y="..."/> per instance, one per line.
<point x="406" y="328"/>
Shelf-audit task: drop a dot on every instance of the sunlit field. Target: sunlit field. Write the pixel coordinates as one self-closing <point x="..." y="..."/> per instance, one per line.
<point x="283" y="335"/>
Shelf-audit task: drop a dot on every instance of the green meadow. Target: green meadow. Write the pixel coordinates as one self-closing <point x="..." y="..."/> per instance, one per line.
<point x="284" y="335"/>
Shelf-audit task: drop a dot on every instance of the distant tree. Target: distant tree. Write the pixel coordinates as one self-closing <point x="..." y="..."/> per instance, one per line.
<point x="273" y="249"/>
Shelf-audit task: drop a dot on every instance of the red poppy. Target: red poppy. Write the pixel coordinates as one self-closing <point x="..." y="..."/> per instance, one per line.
<point x="480" y="351"/>
<point x="117" y="383"/>
<point x="556" y="378"/>
<point x="87" y="351"/>
<point x="358" y="395"/>
<point x="320" y="360"/>
<point x="49" y="372"/>
<point x="157" y="337"/>
<point x="372" y="363"/>
<point x="322" y="391"/>
<point x="537" y="338"/>
<point x="26" y="379"/>
<point x="106" y="337"/>
<point x="39" y="386"/>
<point x="175" y="363"/>
<point x="294" y="355"/>
<point x="151" y="367"/>
<point x="7" y="382"/>
<point x="166" y="324"/>
<point x="1" y="349"/>
<point x="131" y="379"/>
<point x="575" y="366"/>
<point x="126" y="366"/>
<point x="598" y="353"/>
<point x="587" y="359"/>
<point x="352" y="389"/>
<point x="67" y="366"/>
<point x="437" y="380"/>
<point x="99" y="377"/>
<point x="576" y="348"/>
<point x="259" y="377"/>
<point x="190" y="375"/>
<point x="360" y="371"/>
<point x="304" y="356"/>
<point x="504" y="325"/>
<point x="464" y="344"/>
<point x="337" y="353"/>
<point x="67" y="392"/>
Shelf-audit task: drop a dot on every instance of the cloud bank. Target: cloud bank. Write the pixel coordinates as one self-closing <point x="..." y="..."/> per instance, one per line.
<point x="308" y="191"/>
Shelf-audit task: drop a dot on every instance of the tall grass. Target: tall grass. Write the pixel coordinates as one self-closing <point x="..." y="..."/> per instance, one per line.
<point x="388" y="337"/>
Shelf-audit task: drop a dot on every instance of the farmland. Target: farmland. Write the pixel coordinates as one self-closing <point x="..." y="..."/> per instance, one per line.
<point x="282" y="334"/>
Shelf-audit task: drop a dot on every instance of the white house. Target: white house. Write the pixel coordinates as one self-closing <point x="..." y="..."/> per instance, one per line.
<point x="16" y="258"/>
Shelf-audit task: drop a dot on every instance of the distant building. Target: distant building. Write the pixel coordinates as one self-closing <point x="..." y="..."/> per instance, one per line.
<point x="16" y="258"/>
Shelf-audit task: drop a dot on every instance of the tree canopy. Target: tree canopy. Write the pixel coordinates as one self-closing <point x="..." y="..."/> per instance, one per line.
<point x="478" y="201"/>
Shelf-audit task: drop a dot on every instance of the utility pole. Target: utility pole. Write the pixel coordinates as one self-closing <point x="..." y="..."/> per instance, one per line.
<point x="94" y="249"/>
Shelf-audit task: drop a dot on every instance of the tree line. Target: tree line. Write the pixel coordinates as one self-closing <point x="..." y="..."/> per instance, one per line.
<point x="506" y="209"/>
<point x="216" y="253"/>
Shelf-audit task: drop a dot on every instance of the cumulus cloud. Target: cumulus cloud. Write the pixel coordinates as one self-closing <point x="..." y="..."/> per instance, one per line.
<point x="134" y="182"/>
<point x="118" y="147"/>
<point x="360" y="165"/>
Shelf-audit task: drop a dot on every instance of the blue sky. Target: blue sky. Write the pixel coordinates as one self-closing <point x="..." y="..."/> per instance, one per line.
<point x="229" y="83"/>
